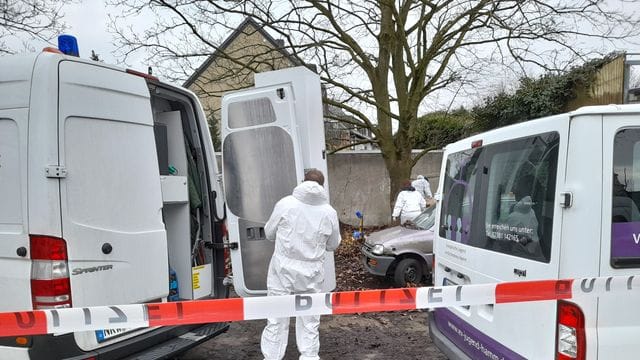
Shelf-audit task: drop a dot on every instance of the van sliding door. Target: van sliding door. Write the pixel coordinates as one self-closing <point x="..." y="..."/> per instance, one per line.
<point x="618" y="320"/>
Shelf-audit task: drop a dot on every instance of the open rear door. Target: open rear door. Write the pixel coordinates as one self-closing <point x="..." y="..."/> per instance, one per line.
<point x="264" y="154"/>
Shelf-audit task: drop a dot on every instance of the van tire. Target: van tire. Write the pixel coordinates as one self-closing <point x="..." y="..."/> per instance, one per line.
<point x="407" y="271"/>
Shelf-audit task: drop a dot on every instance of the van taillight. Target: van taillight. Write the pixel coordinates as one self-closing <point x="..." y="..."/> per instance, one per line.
<point x="50" y="285"/>
<point x="571" y="340"/>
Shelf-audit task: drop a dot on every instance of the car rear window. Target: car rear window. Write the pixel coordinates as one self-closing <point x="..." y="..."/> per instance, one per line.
<point x="625" y="217"/>
<point x="500" y="197"/>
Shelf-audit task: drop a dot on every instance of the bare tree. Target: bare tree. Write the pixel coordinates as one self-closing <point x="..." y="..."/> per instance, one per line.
<point x="21" y="20"/>
<point x="382" y="59"/>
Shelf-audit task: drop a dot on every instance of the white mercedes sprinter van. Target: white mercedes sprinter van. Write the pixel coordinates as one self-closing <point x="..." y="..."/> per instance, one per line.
<point x="108" y="195"/>
<point x="552" y="198"/>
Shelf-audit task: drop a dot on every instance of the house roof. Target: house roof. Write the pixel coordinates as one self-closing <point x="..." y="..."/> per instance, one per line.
<point x="239" y="30"/>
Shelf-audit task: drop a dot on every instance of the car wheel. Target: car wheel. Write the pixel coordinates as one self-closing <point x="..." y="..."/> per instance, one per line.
<point x="407" y="271"/>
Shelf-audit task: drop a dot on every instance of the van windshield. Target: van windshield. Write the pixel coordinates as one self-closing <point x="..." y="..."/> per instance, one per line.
<point x="625" y="216"/>
<point x="500" y="197"/>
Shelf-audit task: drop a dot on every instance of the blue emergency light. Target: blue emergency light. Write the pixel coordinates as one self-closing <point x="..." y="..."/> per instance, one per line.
<point x="68" y="45"/>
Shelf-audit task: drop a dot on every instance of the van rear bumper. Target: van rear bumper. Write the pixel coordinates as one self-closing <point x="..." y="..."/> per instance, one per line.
<point x="450" y="350"/>
<point x="161" y="343"/>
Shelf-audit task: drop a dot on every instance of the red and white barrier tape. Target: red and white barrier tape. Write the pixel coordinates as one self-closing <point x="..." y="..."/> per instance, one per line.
<point x="349" y="302"/>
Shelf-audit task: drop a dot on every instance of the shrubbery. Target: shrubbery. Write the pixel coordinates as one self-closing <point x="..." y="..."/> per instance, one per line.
<point x="546" y="95"/>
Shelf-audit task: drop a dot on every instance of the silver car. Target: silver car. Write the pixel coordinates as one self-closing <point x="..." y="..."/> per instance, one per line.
<point x="403" y="252"/>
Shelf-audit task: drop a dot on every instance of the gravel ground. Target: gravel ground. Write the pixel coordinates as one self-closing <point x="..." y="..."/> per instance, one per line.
<point x="390" y="335"/>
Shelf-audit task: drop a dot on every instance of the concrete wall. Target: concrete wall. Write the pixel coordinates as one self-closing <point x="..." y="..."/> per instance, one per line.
<point x="358" y="180"/>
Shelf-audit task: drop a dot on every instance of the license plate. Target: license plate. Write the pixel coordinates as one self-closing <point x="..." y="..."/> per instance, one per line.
<point x="104" y="335"/>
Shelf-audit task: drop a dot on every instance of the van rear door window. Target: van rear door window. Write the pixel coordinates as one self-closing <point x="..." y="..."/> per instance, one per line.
<point x="514" y="196"/>
<point x="625" y="216"/>
<point x="459" y="185"/>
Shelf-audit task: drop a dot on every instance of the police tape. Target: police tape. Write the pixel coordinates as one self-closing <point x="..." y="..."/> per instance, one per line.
<point x="66" y="320"/>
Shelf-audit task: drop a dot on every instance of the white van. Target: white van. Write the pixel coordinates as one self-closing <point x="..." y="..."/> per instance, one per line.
<point x="551" y="198"/>
<point x="108" y="183"/>
<point x="110" y="194"/>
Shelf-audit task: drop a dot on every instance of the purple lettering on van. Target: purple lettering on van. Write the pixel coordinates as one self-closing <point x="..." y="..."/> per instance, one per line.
<point x="470" y="340"/>
<point x="625" y="239"/>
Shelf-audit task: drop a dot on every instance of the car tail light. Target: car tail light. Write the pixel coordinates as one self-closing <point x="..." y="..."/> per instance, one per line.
<point x="571" y="339"/>
<point x="50" y="285"/>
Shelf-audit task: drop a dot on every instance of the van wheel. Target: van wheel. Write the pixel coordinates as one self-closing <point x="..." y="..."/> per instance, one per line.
<point x="407" y="271"/>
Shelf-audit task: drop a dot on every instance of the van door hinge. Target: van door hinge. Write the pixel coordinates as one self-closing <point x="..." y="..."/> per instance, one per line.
<point x="226" y="245"/>
<point x="55" y="171"/>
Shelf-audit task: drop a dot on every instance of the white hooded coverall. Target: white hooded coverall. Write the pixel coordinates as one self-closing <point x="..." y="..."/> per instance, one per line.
<point x="409" y="204"/>
<point x="422" y="186"/>
<point x="304" y="226"/>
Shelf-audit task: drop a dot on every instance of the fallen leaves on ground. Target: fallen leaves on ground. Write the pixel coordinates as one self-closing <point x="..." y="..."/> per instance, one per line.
<point x="350" y="272"/>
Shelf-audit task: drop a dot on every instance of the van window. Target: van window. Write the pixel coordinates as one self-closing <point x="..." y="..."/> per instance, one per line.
<point x="251" y="113"/>
<point x="459" y="185"/>
<point x="514" y="197"/>
<point x="625" y="217"/>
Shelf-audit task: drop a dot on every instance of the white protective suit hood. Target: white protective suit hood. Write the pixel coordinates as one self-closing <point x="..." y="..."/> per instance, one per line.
<point x="311" y="193"/>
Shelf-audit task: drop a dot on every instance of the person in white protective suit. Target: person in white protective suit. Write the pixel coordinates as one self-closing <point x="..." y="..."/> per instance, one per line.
<point x="409" y="204"/>
<point x="304" y="226"/>
<point x="422" y="186"/>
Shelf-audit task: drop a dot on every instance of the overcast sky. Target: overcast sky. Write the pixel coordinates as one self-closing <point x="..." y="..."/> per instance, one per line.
<point x="88" y="21"/>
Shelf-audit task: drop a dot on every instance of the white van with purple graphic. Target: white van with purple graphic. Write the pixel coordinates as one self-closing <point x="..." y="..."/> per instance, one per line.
<point x="552" y="198"/>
